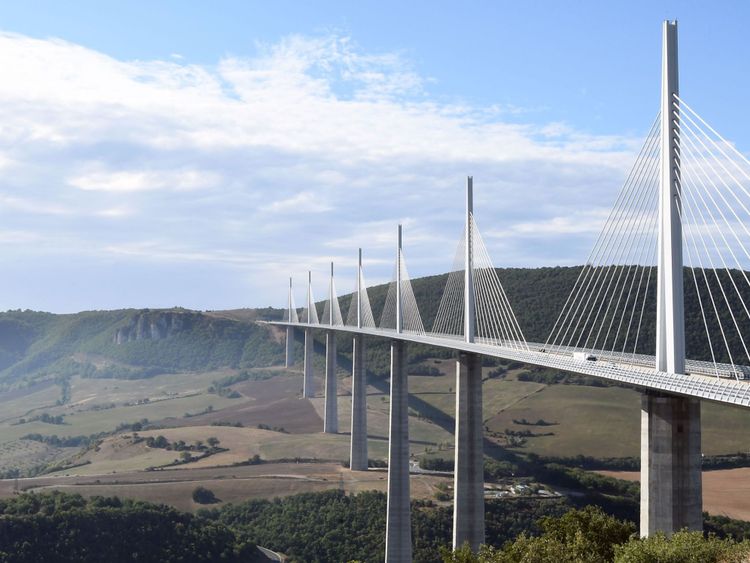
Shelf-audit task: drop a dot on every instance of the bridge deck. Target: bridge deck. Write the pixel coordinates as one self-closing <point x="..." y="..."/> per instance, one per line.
<point x="624" y="368"/>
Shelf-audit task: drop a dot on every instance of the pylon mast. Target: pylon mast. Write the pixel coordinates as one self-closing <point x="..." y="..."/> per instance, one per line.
<point x="670" y="316"/>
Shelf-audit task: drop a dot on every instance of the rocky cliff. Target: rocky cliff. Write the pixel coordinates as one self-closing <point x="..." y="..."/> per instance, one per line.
<point x="154" y="325"/>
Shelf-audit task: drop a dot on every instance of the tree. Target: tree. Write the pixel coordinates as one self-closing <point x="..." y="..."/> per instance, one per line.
<point x="202" y="495"/>
<point x="65" y="528"/>
<point x="579" y="536"/>
<point x="213" y="441"/>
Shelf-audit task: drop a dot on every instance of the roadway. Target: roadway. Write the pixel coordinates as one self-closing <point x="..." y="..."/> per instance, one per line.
<point x="623" y="368"/>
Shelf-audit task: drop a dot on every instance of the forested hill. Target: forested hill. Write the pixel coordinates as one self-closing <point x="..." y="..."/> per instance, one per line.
<point x="537" y="296"/>
<point x="130" y="343"/>
<point x="140" y="343"/>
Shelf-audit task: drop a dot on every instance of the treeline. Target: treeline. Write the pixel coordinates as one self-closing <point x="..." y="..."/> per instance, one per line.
<point x="722" y="461"/>
<point x="68" y="528"/>
<point x="62" y="441"/>
<point x="333" y="526"/>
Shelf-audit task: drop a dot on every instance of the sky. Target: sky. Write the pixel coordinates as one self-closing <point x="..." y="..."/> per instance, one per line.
<point x="159" y="154"/>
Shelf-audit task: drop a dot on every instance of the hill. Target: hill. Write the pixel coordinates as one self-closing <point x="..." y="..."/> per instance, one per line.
<point x="130" y="343"/>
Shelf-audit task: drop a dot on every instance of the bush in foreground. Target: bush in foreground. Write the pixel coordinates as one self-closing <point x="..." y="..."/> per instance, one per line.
<point x="591" y="536"/>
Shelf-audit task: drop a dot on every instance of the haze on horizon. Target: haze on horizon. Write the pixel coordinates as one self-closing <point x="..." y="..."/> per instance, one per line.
<point x="197" y="156"/>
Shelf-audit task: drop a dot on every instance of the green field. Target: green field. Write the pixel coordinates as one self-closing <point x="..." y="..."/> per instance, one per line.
<point x="592" y="421"/>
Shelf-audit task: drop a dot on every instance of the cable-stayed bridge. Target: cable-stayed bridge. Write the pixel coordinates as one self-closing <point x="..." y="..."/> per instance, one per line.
<point x="679" y="232"/>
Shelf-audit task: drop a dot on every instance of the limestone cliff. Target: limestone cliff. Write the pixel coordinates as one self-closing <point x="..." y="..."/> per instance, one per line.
<point x="154" y="325"/>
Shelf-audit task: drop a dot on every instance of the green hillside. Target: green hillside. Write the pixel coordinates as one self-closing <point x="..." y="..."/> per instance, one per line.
<point x="127" y="344"/>
<point x="134" y="343"/>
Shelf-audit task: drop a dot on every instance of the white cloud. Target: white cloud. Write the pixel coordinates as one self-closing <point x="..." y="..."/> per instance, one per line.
<point x="304" y="202"/>
<point x="311" y="146"/>
<point x="138" y="181"/>
<point x="586" y="222"/>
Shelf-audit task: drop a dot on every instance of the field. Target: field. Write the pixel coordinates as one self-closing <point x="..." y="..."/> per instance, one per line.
<point x="593" y="421"/>
<point x="725" y="492"/>
<point x="268" y="418"/>
<point x="232" y="484"/>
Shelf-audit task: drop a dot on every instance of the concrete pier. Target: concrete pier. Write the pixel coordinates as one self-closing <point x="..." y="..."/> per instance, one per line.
<point x="468" y="501"/>
<point x="308" y="386"/>
<point x="331" y="415"/>
<point x="398" y="522"/>
<point x="358" y="452"/>
<point x="671" y="488"/>
<point x="289" y="347"/>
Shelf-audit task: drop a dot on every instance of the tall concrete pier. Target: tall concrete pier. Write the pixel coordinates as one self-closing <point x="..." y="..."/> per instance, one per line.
<point x="358" y="452"/>
<point x="331" y="410"/>
<point x="308" y="387"/>
<point x="289" y="358"/>
<point x="468" y="488"/>
<point x="670" y="426"/>
<point x="398" y="519"/>
<point x="671" y="490"/>
<point x="331" y="415"/>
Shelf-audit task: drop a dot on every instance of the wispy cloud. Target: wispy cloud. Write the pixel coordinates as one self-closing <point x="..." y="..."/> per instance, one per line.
<point x="138" y="181"/>
<point x="311" y="146"/>
<point x="303" y="202"/>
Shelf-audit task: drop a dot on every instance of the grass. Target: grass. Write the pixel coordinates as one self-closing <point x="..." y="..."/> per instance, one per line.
<point x="605" y="422"/>
<point x="595" y="421"/>
<point x="102" y="391"/>
<point x="91" y="422"/>
<point x="25" y="454"/>
<point x="25" y="404"/>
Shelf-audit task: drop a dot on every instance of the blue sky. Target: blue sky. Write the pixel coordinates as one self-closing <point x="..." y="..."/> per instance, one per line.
<point x="190" y="153"/>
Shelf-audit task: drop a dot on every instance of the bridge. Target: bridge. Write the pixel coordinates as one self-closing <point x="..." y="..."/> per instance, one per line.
<point x="679" y="224"/>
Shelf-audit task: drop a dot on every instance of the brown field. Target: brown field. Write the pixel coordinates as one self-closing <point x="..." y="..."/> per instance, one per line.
<point x="725" y="491"/>
<point x="273" y="402"/>
<point x="232" y="484"/>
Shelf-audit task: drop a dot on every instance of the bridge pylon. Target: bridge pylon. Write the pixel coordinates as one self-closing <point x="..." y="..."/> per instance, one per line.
<point x="331" y="414"/>
<point x="670" y="425"/>
<point x="308" y="385"/>
<point x="468" y="489"/>
<point x="358" y="445"/>
<point x="398" y="548"/>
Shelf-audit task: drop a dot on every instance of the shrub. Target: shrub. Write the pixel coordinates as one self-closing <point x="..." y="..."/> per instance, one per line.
<point x="202" y="495"/>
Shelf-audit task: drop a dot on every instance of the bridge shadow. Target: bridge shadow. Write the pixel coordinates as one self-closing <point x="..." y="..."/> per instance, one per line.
<point x="417" y="404"/>
<point x="442" y="419"/>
